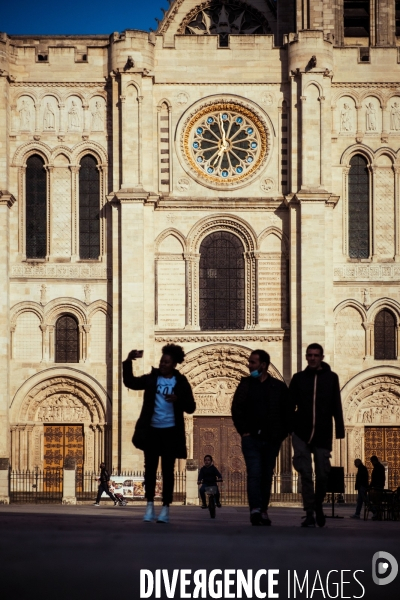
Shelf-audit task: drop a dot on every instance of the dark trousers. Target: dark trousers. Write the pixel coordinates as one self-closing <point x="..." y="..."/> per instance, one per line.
<point x="260" y="458"/>
<point x="360" y="499"/>
<point x="103" y="487"/>
<point x="160" y="443"/>
<point x="302" y="462"/>
<point x="202" y="492"/>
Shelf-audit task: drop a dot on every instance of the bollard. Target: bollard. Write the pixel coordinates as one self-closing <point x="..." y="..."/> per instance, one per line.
<point x="192" y="489"/>
<point x="4" y="481"/>
<point x="69" y="481"/>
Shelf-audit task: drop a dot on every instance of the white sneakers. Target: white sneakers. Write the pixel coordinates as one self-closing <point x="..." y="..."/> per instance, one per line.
<point x="149" y="515"/>
<point x="163" y="517"/>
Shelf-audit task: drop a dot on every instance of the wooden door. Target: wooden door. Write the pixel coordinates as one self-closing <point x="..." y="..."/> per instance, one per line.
<point x="61" y="442"/>
<point x="384" y="442"/>
<point x="217" y="436"/>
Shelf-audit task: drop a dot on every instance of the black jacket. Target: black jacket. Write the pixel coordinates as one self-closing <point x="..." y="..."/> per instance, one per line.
<point x="184" y="403"/>
<point x="244" y="411"/>
<point x="104" y="476"/>
<point x="209" y="475"/>
<point x="378" y="476"/>
<point x="361" y="477"/>
<point x="312" y="419"/>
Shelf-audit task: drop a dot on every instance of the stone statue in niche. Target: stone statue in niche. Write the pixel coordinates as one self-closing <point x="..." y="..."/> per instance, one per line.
<point x="24" y="116"/>
<point x="73" y="117"/>
<point x="371" y="117"/>
<point x="345" y="118"/>
<point x="97" y="118"/>
<point x="395" y="117"/>
<point x="49" y="119"/>
<point x="43" y="290"/>
<point x="87" y="290"/>
<point x="366" y="298"/>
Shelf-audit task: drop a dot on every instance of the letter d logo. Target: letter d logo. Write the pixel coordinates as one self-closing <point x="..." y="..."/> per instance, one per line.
<point x="384" y="568"/>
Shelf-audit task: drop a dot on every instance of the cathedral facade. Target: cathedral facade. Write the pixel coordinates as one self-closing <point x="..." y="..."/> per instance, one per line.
<point x="227" y="182"/>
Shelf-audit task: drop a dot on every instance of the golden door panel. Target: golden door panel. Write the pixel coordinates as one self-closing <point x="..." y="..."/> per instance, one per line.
<point x="61" y="442"/>
<point x="385" y="443"/>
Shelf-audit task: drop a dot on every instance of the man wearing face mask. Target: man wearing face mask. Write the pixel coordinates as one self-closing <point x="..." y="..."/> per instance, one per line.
<point x="260" y="413"/>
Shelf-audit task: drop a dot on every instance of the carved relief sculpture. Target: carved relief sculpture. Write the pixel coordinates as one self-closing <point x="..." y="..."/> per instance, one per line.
<point x="345" y="118"/>
<point x="395" y="117"/>
<point x="97" y="118"/>
<point x="25" y="116"/>
<point x="73" y="117"/>
<point x="371" y="117"/>
<point x="49" y="119"/>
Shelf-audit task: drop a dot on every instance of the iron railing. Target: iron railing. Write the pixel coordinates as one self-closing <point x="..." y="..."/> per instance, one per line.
<point x="36" y="486"/>
<point x="286" y="488"/>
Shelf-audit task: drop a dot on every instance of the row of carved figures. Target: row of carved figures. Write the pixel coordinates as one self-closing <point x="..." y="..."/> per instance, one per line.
<point x="26" y="117"/>
<point x="371" y="121"/>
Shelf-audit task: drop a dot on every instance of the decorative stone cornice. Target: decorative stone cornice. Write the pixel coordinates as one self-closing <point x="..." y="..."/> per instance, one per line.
<point x="311" y="196"/>
<point x="132" y="197"/>
<point x="222" y="203"/>
<point x="200" y="337"/>
<point x="6" y="198"/>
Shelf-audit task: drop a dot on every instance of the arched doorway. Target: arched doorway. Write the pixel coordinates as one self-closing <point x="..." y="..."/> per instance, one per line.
<point x="372" y="418"/>
<point x="59" y="414"/>
<point x="214" y="372"/>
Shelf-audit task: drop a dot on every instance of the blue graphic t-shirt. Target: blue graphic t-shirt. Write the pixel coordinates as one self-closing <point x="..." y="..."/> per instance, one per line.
<point x="164" y="415"/>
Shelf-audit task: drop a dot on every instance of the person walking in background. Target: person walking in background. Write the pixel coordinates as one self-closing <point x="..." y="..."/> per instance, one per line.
<point x="360" y="486"/>
<point x="260" y="413"/>
<point x="315" y="398"/>
<point x="378" y="475"/>
<point x="208" y="476"/>
<point x="104" y="485"/>
<point x="160" y="429"/>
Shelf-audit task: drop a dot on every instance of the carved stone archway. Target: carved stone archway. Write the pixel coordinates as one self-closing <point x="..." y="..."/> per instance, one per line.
<point x="371" y="399"/>
<point x="60" y="400"/>
<point x="214" y="372"/>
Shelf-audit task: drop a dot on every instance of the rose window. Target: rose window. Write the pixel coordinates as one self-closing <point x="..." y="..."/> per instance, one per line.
<point x="225" y="143"/>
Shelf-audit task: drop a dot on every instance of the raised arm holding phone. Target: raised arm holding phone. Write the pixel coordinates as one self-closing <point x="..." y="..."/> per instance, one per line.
<point x="160" y="429"/>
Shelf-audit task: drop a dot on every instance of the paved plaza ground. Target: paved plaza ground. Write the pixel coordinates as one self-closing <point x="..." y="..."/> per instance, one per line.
<point x="86" y="552"/>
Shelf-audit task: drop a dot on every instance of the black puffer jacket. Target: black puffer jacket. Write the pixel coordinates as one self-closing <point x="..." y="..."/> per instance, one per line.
<point x="244" y="411"/>
<point x="184" y="403"/>
<point x="315" y="396"/>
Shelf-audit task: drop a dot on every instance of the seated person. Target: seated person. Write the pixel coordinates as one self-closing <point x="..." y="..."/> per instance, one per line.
<point x="208" y="475"/>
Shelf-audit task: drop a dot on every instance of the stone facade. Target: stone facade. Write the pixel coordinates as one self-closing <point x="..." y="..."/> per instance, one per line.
<point x="313" y="97"/>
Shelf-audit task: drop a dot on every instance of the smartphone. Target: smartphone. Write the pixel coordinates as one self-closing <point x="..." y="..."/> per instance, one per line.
<point x="139" y="353"/>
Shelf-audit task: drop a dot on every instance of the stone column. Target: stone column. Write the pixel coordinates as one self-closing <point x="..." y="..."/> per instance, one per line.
<point x="6" y="202"/>
<point x="192" y="489"/>
<point x="4" y="481"/>
<point x="397" y="213"/>
<point x="69" y="481"/>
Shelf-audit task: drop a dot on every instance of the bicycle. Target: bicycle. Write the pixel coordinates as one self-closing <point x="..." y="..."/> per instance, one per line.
<point x="210" y="491"/>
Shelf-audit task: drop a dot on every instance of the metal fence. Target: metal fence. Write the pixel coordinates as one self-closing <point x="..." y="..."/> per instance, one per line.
<point x="286" y="488"/>
<point x="46" y="487"/>
<point x="129" y="485"/>
<point x="36" y="487"/>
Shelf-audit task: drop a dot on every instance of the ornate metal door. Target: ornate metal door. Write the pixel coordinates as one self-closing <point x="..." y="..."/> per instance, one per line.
<point x="217" y="436"/>
<point x="385" y="443"/>
<point x="61" y="442"/>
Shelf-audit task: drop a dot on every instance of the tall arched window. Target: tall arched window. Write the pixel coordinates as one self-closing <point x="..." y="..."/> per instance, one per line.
<point x="89" y="208"/>
<point x="385" y="335"/>
<point x="358" y="193"/>
<point x="36" y="208"/>
<point x="222" y="283"/>
<point x="67" y="340"/>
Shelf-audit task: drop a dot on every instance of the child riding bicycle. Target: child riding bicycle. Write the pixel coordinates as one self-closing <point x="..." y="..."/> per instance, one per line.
<point x="208" y="476"/>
